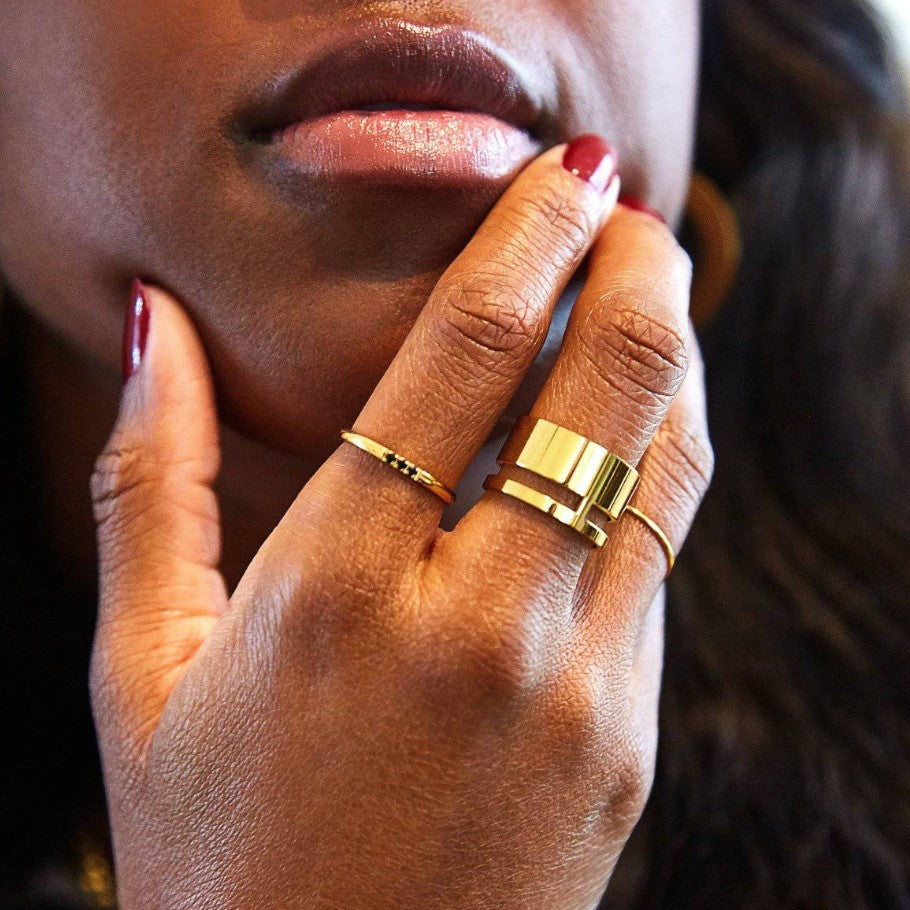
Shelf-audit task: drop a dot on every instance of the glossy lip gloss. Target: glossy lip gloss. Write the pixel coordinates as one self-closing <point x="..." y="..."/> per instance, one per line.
<point x="454" y="147"/>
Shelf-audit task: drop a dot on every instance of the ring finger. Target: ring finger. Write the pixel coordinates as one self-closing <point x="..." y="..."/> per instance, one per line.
<point x="627" y="573"/>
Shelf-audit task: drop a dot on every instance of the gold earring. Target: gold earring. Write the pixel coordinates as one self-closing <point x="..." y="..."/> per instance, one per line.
<point x="716" y="245"/>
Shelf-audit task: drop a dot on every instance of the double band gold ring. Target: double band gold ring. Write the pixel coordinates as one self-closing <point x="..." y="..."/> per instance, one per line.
<point x="601" y="483"/>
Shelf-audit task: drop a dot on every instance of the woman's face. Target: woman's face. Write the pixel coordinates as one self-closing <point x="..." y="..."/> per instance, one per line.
<point x="143" y="137"/>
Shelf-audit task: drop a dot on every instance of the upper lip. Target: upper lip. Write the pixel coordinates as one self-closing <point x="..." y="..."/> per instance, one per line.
<point x="446" y="67"/>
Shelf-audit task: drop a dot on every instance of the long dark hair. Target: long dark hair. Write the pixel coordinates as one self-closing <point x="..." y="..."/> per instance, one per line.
<point x="784" y="768"/>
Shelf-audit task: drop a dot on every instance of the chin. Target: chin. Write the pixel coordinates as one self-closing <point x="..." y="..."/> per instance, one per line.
<point x="303" y="374"/>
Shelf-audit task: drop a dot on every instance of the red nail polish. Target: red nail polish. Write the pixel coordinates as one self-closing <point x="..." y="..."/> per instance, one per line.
<point x="135" y="329"/>
<point x="632" y="202"/>
<point x="592" y="159"/>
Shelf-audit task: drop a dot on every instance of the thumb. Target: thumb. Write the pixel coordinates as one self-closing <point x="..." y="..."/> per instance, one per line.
<point x="158" y="528"/>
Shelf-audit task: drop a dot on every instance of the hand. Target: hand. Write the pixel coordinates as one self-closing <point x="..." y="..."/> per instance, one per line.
<point x="384" y="714"/>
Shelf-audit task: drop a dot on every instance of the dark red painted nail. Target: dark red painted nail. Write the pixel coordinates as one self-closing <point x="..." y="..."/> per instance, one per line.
<point x="592" y="159"/>
<point x="135" y="329"/>
<point x="632" y="202"/>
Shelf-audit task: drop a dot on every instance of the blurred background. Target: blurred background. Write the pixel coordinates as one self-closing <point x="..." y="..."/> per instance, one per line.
<point x="897" y="12"/>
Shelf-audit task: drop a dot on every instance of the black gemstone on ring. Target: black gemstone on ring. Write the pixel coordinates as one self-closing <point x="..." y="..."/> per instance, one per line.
<point x="401" y="464"/>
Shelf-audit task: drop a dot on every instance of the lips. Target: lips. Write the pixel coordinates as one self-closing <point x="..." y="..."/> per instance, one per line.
<point x="399" y="102"/>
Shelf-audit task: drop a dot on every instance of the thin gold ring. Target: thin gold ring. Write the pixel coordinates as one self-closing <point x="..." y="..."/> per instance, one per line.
<point x="653" y="526"/>
<point x="401" y="464"/>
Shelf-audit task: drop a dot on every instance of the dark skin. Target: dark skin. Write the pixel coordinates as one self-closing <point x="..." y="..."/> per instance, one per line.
<point x="117" y="166"/>
<point x="303" y="318"/>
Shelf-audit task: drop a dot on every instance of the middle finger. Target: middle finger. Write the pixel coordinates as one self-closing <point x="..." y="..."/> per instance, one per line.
<point x="622" y="362"/>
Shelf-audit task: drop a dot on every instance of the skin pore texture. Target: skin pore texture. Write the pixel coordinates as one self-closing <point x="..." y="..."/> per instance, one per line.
<point x="123" y="153"/>
<point x="363" y="216"/>
<point x="125" y="149"/>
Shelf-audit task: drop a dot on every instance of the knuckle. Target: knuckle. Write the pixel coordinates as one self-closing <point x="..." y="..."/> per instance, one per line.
<point x="118" y="473"/>
<point x="501" y="672"/>
<point x="114" y="470"/>
<point x="632" y="777"/>
<point x="488" y="316"/>
<point x="646" y="352"/>
<point x="575" y="716"/>
<point x="688" y="461"/>
<point x="591" y="727"/>
<point x="500" y="308"/>
<point x="554" y="223"/>
<point x="507" y="670"/>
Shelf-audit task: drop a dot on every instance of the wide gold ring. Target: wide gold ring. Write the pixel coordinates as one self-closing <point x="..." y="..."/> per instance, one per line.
<point x="600" y="479"/>
<point x="401" y="464"/>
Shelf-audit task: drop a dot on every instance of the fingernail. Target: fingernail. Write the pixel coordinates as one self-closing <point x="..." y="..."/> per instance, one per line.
<point x="135" y="329"/>
<point x="591" y="158"/>
<point x="632" y="202"/>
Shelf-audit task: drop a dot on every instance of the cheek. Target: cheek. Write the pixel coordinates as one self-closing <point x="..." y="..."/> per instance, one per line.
<point x="75" y="82"/>
<point x="48" y="206"/>
<point x="668" y="57"/>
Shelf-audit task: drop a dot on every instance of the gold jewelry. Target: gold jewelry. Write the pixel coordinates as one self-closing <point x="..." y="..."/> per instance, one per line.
<point x="95" y="875"/>
<point x="652" y="526"/>
<point x="547" y="505"/>
<point x="602" y="480"/>
<point x="717" y="242"/>
<point x="400" y="464"/>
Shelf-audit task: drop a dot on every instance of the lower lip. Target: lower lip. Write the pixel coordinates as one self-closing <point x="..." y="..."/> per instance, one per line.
<point x="452" y="148"/>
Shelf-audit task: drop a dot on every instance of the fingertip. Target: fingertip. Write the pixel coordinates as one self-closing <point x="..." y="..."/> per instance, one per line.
<point x="135" y="330"/>
<point x="168" y="396"/>
<point x="647" y="237"/>
<point x="592" y="159"/>
<point x="587" y="162"/>
<point x="174" y="349"/>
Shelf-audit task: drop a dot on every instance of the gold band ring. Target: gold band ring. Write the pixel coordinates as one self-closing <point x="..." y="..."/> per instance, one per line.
<point x="602" y="480"/>
<point x="400" y="464"/>
<point x="655" y="529"/>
